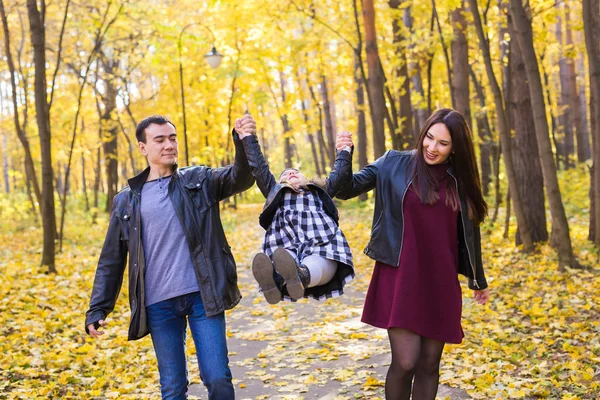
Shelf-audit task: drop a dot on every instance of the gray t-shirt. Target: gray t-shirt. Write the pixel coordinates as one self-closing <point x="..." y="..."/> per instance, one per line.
<point x="169" y="268"/>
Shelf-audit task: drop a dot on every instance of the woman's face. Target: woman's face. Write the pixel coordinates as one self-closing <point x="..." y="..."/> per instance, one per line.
<point x="437" y="144"/>
<point x="293" y="177"/>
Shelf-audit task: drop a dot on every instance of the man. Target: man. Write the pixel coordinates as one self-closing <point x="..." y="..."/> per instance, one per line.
<point x="180" y="266"/>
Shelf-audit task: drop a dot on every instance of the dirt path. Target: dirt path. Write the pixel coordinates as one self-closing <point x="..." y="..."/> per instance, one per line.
<point x="305" y="350"/>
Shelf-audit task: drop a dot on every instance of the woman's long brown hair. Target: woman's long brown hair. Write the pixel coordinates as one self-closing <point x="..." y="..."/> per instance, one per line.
<point x="463" y="163"/>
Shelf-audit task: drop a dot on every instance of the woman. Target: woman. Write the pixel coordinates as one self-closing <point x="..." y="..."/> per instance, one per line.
<point x="428" y="207"/>
<point x="304" y="253"/>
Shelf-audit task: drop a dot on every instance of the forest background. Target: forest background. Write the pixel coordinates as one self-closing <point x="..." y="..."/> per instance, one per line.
<point x="76" y="78"/>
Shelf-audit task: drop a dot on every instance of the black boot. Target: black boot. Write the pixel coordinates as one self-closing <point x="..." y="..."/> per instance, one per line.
<point x="304" y="274"/>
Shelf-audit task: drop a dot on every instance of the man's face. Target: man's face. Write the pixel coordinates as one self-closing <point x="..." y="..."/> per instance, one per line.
<point x="161" y="147"/>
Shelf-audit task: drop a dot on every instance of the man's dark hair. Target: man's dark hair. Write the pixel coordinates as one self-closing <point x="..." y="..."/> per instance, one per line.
<point x="140" y="130"/>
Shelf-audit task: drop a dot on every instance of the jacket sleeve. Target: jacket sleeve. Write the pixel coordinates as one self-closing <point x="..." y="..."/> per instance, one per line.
<point x="481" y="281"/>
<point x="109" y="272"/>
<point x="258" y="165"/>
<point x="341" y="173"/>
<point x="363" y="181"/>
<point x="232" y="179"/>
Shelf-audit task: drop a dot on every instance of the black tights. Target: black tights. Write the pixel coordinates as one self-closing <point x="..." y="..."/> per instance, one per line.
<point x="413" y="356"/>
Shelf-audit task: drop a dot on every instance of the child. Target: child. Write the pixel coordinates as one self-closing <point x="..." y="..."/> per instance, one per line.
<point x="305" y="254"/>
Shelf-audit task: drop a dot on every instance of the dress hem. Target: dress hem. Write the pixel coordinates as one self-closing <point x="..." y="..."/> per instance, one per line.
<point x="387" y="326"/>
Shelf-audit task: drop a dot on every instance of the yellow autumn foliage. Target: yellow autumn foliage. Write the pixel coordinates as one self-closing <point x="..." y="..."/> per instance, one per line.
<point x="538" y="337"/>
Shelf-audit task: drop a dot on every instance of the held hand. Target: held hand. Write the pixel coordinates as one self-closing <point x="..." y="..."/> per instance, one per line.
<point x="245" y="126"/>
<point x="92" y="329"/>
<point x="481" y="296"/>
<point x="342" y="140"/>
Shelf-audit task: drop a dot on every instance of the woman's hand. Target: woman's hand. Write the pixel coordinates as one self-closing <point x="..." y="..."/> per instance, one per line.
<point x="481" y="296"/>
<point x="342" y="140"/>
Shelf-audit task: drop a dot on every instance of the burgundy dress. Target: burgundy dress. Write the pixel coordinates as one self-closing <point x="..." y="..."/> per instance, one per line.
<point x="422" y="293"/>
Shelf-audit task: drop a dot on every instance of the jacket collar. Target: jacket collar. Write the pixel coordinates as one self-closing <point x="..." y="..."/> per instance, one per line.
<point x="450" y="171"/>
<point x="136" y="183"/>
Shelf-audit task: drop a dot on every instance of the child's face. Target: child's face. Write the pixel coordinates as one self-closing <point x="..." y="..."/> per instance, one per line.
<point x="293" y="177"/>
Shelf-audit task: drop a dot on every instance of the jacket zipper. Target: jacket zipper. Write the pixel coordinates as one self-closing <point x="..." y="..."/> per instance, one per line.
<point x="465" y="234"/>
<point x="137" y="265"/>
<point x="402" y="211"/>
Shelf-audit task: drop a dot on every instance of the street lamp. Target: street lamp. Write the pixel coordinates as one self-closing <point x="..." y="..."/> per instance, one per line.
<point x="213" y="58"/>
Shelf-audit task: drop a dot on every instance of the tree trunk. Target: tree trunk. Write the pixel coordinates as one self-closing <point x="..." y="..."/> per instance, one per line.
<point x="553" y="119"/>
<point x="497" y="195"/>
<point x="375" y="80"/>
<point x="486" y="146"/>
<point x="305" y="103"/>
<point x="361" y="130"/>
<point x="109" y="141"/>
<point x="320" y="136"/>
<point x="566" y="113"/>
<point x="446" y="55"/>
<point x="405" y="123"/>
<point x="5" y="164"/>
<point x="504" y="131"/>
<point x="328" y="121"/>
<point x="591" y="19"/>
<point x="264" y="143"/>
<point x="592" y="229"/>
<point x="30" y="174"/>
<point x="507" y="216"/>
<point x="287" y="145"/>
<point x="84" y="184"/>
<point x="560" y="225"/>
<point x="583" y="137"/>
<point x="59" y="179"/>
<point x="38" y="39"/>
<point x="573" y="94"/>
<point x="414" y="71"/>
<point x="430" y="64"/>
<point x="460" y="64"/>
<point x="525" y="152"/>
<point x="332" y="115"/>
<point x="97" y="170"/>
<point x="130" y="146"/>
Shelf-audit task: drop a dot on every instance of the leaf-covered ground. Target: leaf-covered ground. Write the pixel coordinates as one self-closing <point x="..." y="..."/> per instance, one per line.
<point x="538" y="337"/>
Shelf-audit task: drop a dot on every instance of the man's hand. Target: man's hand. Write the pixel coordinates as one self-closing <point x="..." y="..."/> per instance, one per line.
<point x="245" y="126"/>
<point x="92" y="329"/>
<point x="342" y="140"/>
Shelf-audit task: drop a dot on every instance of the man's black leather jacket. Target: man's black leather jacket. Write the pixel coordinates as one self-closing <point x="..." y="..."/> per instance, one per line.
<point x="390" y="175"/>
<point x="195" y="193"/>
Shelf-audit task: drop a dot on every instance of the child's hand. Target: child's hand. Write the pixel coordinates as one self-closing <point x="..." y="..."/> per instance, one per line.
<point x="342" y="140"/>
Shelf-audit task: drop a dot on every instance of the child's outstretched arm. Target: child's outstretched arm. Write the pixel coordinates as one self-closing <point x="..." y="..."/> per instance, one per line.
<point x="341" y="173"/>
<point x="258" y="165"/>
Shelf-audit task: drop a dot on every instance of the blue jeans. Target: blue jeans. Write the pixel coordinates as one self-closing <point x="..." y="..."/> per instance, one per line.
<point x="167" y="324"/>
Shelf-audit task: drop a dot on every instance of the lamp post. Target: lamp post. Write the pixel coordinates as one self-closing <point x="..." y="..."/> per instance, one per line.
<point x="213" y="58"/>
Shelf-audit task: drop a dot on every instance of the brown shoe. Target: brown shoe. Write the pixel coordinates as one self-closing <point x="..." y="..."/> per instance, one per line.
<point x="262" y="269"/>
<point x="287" y="267"/>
